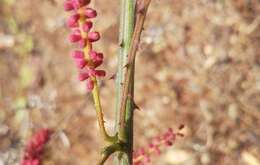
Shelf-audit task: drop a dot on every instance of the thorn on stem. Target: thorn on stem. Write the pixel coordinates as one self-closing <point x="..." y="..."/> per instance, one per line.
<point x="127" y="65"/>
<point x="136" y="106"/>
<point x="181" y="126"/>
<point x="141" y="10"/>
<point x="112" y="77"/>
<point x="121" y="44"/>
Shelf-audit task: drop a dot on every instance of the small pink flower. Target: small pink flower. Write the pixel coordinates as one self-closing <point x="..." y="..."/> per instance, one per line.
<point x="74" y="38"/>
<point x="77" y="54"/>
<point x="100" y="73"/>
<point x="79" y="3"/>
<point x="93" y="36"/>
<point x="83" y="76"/>
<point x="147" y="158"/>
<point x="141" y="151"/>
<point x="68" y="6"/>
<point x="93" y="54"/>
<point x="73" y="21"/>
<point x="98" y="63"/>
<point x="81" y="63"/>
<point x="96" y="56"/>
<point x="87" y="26"/>
<point x="90" y="13"/>
<point x="90" y="85"/>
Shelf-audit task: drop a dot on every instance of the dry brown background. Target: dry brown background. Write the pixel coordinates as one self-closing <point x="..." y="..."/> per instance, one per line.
<point x="198" y="65"/>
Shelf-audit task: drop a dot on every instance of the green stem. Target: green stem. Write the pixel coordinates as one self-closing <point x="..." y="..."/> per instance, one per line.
<point x="126" y="31"/>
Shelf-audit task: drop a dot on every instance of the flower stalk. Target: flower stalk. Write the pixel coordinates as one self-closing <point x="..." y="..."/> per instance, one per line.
<point x="86" y="59"/>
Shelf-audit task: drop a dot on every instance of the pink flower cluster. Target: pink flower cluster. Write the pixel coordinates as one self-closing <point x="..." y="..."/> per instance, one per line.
<point x="35" y="147"/>
<point x="143" y="156"/>
<point x="86" y="59"/>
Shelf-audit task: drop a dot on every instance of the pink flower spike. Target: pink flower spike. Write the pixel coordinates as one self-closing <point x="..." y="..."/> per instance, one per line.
<point x="100" y="73"/>
<point x="87" y="26"/>
<point x="81" y="63"/>
<point x="68" y="6"/>
<point x="83" y="76"/>
<point x="90" y="85"/>
<point x="74" y="38"/>
<point x="35" y="147"/>
<point x="77" y="54"/>
<point x="93" y="36"/>
<point x="90" y="13"/>
<point x="73" y="21"/>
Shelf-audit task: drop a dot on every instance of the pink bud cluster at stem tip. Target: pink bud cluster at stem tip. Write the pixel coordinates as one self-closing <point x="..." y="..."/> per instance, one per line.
<point x="35" y="147"/>
<point x="87" y="60"/>
<point x="143" y="155"/>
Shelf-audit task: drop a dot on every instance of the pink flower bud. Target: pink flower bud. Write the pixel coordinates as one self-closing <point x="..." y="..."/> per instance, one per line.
<point x="80" y="3"/>
<point x="151" y="145"/>
<point x="100" y="73"/>
<point x="93" y="54"/>
<point x="68" y="6"/>
<point x="81" y="63"/>
<point x="157" y="150"/>
<point x="141" y="151"/>
<point x="77" y="54"/>
<point x="73" y="21"/>
<point x="90" y="13"/>
<point x="147" y="158"/>
<point x="83" y="76"/>
<point x="96" y="56"/>
<point x="93" y="36"/>
<point x="87" y="26"/>
<point x="74" y="38"/>
<point x="97" y="63"/>
<point x="90" y="85"/>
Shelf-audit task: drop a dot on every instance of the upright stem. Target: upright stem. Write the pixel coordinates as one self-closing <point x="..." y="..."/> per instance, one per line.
<point x="127" y="15"/>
